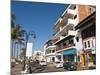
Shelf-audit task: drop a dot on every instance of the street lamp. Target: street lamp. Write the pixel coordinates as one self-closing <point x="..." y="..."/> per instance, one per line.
<point x="27" y="35"/>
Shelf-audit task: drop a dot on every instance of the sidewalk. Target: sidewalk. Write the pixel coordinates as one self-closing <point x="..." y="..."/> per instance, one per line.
<point x="17" y="69"/>
<point x="81" y="67"/>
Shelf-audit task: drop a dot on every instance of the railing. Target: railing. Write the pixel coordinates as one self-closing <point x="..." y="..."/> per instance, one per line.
<point x="71" y="21"/>
<point x="49" y="45"/>
<point x="72" y="11"/>
<point x="66" y="46"/>
<point x="55" y="40"/>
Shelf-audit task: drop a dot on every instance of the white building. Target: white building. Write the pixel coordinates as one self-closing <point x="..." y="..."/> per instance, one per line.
<point x="29" y="50"/>
<point x="50" y="52"/>
<point x="65" y="34"/>
<point x="38" y="55"/>
<point x="68" y="41"/>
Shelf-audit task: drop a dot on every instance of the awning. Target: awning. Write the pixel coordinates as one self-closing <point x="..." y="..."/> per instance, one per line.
<point x="71" y="51"/>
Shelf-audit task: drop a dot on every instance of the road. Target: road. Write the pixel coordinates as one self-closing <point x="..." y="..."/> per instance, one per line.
<point x="36" y="68"/>
<point x="47" y="68"/>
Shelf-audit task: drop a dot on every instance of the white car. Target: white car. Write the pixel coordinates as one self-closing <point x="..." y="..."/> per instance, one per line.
<point x="43" y="63"/>
<point x="58" y="64"/>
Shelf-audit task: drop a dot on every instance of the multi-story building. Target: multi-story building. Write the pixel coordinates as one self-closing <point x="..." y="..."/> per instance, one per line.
<point x="50" y="52"/>
<point x="67" y="43"/>
<point x="66" y="37"/>
<point x="87" y="31"/>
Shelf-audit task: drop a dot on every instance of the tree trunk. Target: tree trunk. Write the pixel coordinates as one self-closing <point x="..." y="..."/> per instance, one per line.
<point x="17" y="50"/>
<point x="12" y="49"/>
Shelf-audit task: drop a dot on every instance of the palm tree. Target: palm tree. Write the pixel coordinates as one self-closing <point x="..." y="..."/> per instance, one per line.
<point x="21" y="43"/>
<point x="16" y="36"/>
<point x="23" y="50"/>
<point x="13" y="18"/>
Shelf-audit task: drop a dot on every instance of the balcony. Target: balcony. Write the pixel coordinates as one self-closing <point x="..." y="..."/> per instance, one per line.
<point x="71" y="22"/>
<point x="50" y="52"/>
<point x="56" y="39"/>
<point x="67" y="35"/>
<point x="72" y="33"/>
<point x="51" y="47"/>
<point x="65" y="47"/>
<point x="66" y="27"/>
<point x="72" y="12"/>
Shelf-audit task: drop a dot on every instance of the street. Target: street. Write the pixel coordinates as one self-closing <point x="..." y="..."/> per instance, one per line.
<point x="36" y="68"/>
<point x="44" y="69"/>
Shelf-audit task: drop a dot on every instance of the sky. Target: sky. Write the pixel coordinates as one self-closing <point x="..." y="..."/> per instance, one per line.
<point x="37" y="17"/>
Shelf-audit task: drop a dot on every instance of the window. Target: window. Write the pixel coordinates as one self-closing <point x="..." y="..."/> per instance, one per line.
<point x="71" y="41"/>
<point x="89" y="32"/>
<point x="73" y="6"/>
<point x="91" y="9"/>
<point x="64" y="44"/>
<point x="88" y="43"/>
<point x="85" y="45"/>
<point x="75" y="16"/>
<point x="77" y="39"/>
<point x="53" y="51"/>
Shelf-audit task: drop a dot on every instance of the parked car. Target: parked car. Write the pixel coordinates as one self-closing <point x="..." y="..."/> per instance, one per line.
<point x="70" y="66"/>
<point x="58" y="64"/>
<point x="43" y="63"/>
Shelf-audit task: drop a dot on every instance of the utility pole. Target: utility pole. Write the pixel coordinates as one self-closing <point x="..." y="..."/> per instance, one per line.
<point x="27" y="35"/>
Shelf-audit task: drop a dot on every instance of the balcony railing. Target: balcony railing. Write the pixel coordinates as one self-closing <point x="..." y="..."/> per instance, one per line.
<point x="72" y="11"/>
<point x="66" y="27"/>
<point x="55" y="40"/>
<point x="63" y="47"/>
<point x="71" y="22"/>
<point x="65" y="35"/>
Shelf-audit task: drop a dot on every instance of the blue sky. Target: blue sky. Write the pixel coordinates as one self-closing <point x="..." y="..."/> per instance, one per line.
<point x="37" y="17"/>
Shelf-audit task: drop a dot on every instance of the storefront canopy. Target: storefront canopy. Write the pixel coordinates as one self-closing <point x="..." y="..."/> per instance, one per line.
<point x="70" y="52"/>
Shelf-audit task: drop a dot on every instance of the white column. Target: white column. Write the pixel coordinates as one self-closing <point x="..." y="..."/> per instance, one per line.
<point x="75" y="58"/>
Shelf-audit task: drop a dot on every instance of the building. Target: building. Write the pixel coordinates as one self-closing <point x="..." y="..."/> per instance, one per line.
<point x="66" y="37"/>
<point x="67" y="43"/>
<point x="50" y="52"/>
<point x="87" y="30"/>
<point x="29" y="50"/>
<point x="38" y="55"/>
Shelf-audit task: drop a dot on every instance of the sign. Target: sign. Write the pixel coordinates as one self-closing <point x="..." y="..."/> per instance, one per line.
<point x="29" y="50"/>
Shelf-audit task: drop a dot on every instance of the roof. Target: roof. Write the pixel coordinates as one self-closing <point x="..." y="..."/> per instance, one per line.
<point x="87" y="19"/>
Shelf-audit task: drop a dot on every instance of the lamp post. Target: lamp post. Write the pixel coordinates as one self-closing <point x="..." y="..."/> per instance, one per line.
<point x="27" y="35"/>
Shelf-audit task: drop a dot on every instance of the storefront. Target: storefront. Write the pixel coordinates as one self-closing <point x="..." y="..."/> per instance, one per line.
<point x="91" y="57"/>
<point x="88" y="58"/>
<point x="70" y="55"/>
